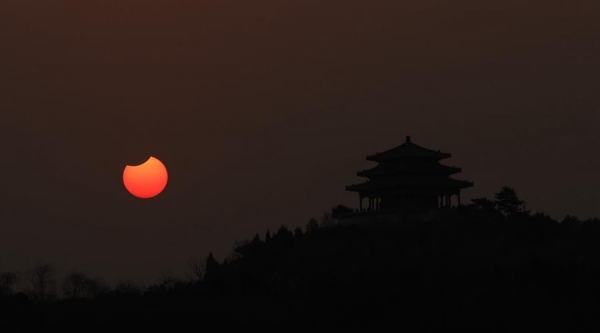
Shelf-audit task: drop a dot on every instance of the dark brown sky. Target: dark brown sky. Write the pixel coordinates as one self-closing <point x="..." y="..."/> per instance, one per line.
<point x="264" y="110"/>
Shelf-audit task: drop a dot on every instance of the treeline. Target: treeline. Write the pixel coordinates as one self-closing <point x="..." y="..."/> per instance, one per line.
<point x="39" y="284"/>
<point x="490" y="265"/>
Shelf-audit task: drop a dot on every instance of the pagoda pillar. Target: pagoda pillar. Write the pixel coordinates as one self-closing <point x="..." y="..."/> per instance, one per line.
<point x="458" y="196"/>
<point x="360" y="207"/>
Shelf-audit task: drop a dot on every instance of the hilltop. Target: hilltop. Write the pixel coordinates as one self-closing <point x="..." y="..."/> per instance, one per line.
<point x="474" y="268"/>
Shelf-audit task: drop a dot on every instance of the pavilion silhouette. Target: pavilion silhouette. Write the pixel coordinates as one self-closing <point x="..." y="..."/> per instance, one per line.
<point x="408" y="179"/>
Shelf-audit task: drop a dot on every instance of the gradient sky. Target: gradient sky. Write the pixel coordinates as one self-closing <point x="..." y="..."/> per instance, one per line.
<point x="264" y="110"/>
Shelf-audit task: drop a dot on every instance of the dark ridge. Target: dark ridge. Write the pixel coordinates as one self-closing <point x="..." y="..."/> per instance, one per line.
<point x="473" y="268"/>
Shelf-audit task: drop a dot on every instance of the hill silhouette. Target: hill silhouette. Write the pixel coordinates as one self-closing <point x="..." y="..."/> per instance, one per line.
<point x="480" y="266"/>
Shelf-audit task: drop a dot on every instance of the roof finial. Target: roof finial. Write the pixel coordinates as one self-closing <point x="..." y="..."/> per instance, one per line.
<point x="408" y="139"/>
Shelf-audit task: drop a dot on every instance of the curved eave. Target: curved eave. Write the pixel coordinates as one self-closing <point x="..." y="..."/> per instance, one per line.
<point x="352" y="188"/>
<point x="369" y="173"/>
<point x="383" y="157"/>
<point x="371" y="185"/>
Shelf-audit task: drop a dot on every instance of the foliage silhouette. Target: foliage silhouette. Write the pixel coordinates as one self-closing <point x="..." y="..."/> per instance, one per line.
<point x="8" y="281"/>
<point x="484" y="204"/>
<point x="474" y="268"/>
<point x="508" y="202"/>
<point x="42" y="282"/>
<point x="77" y="285"/>
<point x="197" y="268"/>
<point x="312" y="226"/>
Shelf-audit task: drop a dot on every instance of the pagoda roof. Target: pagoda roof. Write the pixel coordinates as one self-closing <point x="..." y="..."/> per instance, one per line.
<point x="408" y="150"/>
<point x="391" y="169"/>
<point x="410" y="182"/>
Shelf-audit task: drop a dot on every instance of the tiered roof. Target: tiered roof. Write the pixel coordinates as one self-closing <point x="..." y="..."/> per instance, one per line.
<point x="409" y="167"/>
<point x="408" y="182"/>
<point x="392" y="170"/>
<point x="408" y="150"/>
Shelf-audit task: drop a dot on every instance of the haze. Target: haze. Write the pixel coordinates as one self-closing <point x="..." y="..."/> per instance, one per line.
<point x="264" y="110"/>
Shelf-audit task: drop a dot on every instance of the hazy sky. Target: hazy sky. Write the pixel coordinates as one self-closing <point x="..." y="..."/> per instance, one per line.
<point x="264" y="110"/>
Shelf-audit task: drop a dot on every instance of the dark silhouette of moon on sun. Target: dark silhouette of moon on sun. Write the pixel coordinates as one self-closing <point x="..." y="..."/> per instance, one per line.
<point x="146" y="180"/>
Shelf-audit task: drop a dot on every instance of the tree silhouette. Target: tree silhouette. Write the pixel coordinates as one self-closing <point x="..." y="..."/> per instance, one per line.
<point x="128" y="288"/>
<point x="327" y="220"/>
<point x="211" y="264"/>
<point x="77" y="285"/>
<point x="198" y="268"/>
<point x="8" y="281"/>
<point x="484" y="204"/>
<point x="283" y="234"/>
<point x="312" y="226"/>
<point x="298" y="232"/>
<point x="340" y="209"/>
<point x="507" y="201"/>
<point x="41" y="278"/>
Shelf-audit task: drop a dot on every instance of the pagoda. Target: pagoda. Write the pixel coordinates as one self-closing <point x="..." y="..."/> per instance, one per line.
<point x="410" y="179"/>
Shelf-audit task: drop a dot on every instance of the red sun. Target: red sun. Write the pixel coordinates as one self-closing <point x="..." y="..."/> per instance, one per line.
<point x="146" y="180"/>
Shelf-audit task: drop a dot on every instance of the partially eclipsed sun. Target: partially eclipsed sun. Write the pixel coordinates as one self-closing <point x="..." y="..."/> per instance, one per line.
<point x="146" y="180"/>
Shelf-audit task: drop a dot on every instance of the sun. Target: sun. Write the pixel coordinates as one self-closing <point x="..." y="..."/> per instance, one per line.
<point x="146" y="180"/>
